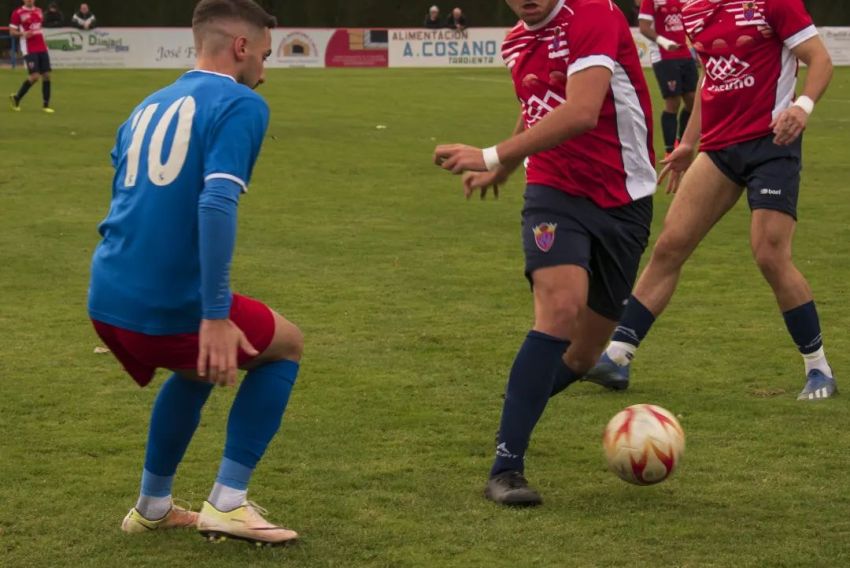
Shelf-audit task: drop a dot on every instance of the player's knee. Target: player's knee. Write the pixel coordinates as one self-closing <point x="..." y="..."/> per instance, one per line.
<point x="288" y="343"/>
<point x="558" y="313"/>
<point x="672" y="104"/>
<point x="771" y="256"/>
<point x="671" y="250"/>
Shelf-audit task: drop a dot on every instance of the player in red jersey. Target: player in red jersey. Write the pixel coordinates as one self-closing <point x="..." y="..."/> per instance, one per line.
<point x="674" y="65"/>
<point x="585" y="132"/>
<point x="751" y="127"/>
<point x="26" y="24"/>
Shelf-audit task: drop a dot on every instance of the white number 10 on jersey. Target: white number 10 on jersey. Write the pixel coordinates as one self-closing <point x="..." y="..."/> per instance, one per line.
<point x="160" y="174"/>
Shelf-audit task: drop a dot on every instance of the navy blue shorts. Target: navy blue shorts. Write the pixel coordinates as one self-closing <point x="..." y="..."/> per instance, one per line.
<point x="560" y="229"/>
<point x="38" y="62"/>
<point x="676" y="76"/>
<point x="770" y="173"/>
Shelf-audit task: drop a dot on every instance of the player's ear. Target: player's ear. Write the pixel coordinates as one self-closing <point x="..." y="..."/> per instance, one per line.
<point x="240" y="47"/>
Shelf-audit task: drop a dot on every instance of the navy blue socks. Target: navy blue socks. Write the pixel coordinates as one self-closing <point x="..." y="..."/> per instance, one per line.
<point x="804" y="326"/>
<point x="530" y="385"/>
<point x="634" y="323"/>
<point x="669" y="128"/>
<point x="564" y="377"/>
<point x="45" y="92"/>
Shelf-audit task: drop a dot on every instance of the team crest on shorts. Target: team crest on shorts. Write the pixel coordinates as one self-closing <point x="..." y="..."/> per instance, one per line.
<point x="544" y="236"/>
<point x="672" y="85"/>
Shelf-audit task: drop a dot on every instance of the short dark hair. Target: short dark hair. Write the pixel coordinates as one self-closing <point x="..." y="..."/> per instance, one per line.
<point x="208" y="11"/>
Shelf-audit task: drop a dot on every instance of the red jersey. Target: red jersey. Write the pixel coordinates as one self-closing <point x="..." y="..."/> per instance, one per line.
<point x="750" y="72"/>
<point x="29" y="20"/>
<point x="666" y="17"/>
<point x="612" y="165"/>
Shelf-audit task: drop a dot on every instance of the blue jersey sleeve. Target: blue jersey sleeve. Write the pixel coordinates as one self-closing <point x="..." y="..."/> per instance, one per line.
<point x="235" y="140"/>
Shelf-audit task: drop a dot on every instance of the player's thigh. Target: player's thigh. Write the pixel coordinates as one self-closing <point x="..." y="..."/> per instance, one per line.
<point x="287" y="344"/>
<point x="560" y="295"/>
<point x="705" y="195"/>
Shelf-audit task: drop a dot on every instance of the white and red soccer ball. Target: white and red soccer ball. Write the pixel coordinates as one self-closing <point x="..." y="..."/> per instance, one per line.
<point x="643" y="444"/>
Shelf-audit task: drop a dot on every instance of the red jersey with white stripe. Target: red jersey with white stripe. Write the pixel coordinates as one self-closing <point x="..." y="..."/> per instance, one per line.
<point x="29" y="20"/>
<point x="750" y="72"/>
<point x="612" y="165"/>
<point x="666" y="17"/>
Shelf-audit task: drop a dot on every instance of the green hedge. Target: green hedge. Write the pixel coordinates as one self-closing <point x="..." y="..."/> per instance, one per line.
<point x="339" y="13"/>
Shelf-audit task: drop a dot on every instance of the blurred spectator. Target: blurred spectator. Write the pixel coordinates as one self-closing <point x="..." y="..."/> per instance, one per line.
<point x="432" y="20"/>
<point x="83" y="18"/>
<point x="53" y="17"/>
<point x="457" y="21"/>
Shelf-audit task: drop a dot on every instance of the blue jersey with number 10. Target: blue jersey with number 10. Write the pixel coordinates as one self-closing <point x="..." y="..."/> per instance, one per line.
<point x="146" y="273"/>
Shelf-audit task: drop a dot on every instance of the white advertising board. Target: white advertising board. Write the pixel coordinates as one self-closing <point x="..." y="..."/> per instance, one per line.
<point x="164" y="48"/>
<point x="417" y="47"/>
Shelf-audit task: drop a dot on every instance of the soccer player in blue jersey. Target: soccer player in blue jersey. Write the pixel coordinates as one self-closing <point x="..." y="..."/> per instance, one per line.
<point x="160" y="294"/>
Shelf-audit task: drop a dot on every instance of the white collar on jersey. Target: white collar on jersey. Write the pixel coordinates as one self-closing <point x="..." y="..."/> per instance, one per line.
<point x="211" y="73"/>
<point x="540" y="25"/>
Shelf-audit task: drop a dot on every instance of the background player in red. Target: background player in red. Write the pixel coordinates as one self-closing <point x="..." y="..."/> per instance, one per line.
<point x="26" y="23"/>
<point x="661" y="22"/>
<point x="586" y="129"/>
<point x="751" y="139"/>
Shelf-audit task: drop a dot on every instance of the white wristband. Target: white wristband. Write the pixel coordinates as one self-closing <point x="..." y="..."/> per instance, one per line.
<point x="805" y="103"/>
<point x="664" y="42"/>
<point x="491" y="158"/>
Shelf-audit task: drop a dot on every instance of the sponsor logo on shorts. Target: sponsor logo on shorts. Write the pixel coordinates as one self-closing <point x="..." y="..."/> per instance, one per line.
<point x="544" y="236"/>
<point x="767" y="191"/>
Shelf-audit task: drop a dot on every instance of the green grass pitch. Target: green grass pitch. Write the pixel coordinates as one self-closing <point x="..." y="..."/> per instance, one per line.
<point x="413" y="304"/>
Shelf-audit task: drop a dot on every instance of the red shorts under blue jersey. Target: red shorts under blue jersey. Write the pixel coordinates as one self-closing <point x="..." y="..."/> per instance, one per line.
<point x="141" y="355"/>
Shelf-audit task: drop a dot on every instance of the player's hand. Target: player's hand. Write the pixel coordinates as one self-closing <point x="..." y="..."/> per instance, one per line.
<point x="673" y="46"/>
<point x="789" y="125"/>
<point x="459" y="158"/>
<point x="220" y="342"/>
<point x="675" y="166"/>
<point x="473" y="181"/>
<point x="28" y="34"/>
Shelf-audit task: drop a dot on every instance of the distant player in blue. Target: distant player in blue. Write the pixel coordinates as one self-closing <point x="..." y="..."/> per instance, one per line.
<point x="160" y="288"/>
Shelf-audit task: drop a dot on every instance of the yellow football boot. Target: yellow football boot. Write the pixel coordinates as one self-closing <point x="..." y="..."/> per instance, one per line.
<point x="243" y="523"/>
<point x="177" y="518"/>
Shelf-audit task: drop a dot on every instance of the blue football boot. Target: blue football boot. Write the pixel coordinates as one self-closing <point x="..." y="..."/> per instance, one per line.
<point x="609" y="374"/>
<point x="818" y="386"/>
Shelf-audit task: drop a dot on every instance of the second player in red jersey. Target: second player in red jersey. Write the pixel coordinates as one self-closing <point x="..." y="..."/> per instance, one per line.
<point x="585" y="135"/>
<point x="26" y="24"/>
<point x="751" y="125"/>
<point x="674" y="66"/>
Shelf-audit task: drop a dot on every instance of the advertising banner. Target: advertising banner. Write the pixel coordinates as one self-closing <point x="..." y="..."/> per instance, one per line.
<point x="173" y="48"/>
<point x="358" y="48"/>
<point x="475" y="47"/>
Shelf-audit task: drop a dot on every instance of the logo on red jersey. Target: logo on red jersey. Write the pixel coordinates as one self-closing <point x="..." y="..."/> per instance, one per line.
<point x="537" y="108"/>
<point x="728" y="73"/>
<point x="749" y="11"/>
<point x="544" y="236"/>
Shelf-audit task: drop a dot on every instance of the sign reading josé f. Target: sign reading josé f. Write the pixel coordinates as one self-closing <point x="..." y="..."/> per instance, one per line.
<point x="481" y="47"/>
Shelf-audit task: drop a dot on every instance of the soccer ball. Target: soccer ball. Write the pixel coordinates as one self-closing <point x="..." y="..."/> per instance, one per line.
<point x="643" y="444"/>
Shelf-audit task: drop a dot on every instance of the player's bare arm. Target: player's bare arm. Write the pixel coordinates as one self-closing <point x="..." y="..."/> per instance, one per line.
<point x="680" y="159"/>
<point x="790" y="123"/>
<point x="586" y="91"/>
<point x="484" y="180"/>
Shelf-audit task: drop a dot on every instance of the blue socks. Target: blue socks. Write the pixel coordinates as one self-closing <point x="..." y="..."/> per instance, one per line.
<point x="176" y="414"/>
<point x="634" y="323"/>
<point x="530" y="385"/>
<point x="254" y="420"/>
<point x="804" y="326"/>
<point x="175" y="417"/>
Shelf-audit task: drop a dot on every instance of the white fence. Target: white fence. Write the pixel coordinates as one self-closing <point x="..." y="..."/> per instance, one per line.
<point x="160" y="48"/>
